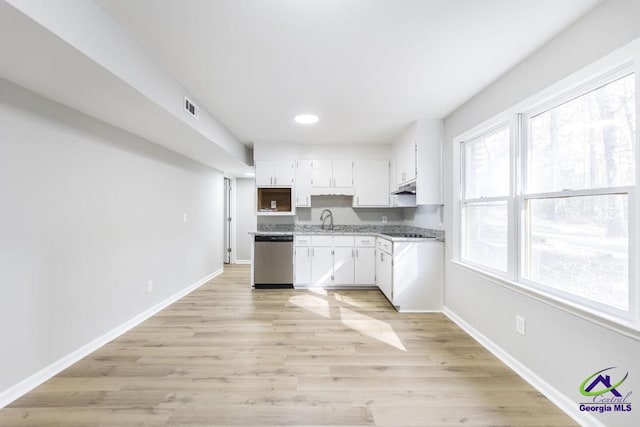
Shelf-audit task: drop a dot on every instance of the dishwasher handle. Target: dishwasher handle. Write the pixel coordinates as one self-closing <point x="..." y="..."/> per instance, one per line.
<point x="267" y="238"/>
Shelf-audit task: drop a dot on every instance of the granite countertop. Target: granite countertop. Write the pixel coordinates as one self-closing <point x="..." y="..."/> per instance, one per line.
<point x="378" y="230"/>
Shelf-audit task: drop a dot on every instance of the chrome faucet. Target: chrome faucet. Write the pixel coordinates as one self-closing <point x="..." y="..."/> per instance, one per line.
<point x="323" y="218"/>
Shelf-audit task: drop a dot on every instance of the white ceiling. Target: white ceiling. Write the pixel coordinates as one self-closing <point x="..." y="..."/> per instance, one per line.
<point x="368" y="68"/>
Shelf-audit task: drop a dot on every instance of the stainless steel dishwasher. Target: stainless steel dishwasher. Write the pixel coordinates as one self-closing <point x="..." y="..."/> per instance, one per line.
<point x="273" y="262"/>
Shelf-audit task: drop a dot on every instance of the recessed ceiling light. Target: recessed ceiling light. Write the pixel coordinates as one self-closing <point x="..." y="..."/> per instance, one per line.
<point x="306" y="119"/>
<point x="249" y="174"/>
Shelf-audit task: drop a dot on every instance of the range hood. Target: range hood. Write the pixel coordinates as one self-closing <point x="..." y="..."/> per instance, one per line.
<point x="409" y="188"/>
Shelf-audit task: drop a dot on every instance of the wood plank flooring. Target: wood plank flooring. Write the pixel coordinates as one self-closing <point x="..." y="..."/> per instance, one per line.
<point x="226" y="355"/>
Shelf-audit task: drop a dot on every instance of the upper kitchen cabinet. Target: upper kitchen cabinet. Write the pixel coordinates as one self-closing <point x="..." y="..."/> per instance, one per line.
<point x="404" y="153"/>
<point x="303" y="183"/>
<point x="332" y="177"/>
<point x="418" y="159"/>
<point x="371" y="183"/>
<point x="274" y="173"/>
<point x="429" y="162"/>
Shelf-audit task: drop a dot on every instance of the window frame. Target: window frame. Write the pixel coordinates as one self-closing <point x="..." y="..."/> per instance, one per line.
<point x="518" y="119"/>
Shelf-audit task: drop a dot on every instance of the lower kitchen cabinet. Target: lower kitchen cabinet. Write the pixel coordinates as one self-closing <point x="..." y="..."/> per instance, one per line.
<point x="365" y="261"/>
<point x="302" y="265"/>
<point x="340" y="260"/>
<point x="322" y="265"/>
<point x="409" y="274"/>
<point x="384" y="267"/>
<point x="343" y="266"/>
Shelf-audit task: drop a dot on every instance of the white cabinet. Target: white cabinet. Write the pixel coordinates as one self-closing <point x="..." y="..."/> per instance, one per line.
<point x="304" y="174"/>
<point x="417" y="275"/>
<point x="302" y="260"/>
<point x="343" y="174"/>
<point x="302" y="263"/>
<point x="274" y="173"/>
<point x="334" y="260"/>
<point x="409" y="274"/>
<point x="343" y="265"/>
<point x="365" y="261"/>
<point x="371" y="183"/>
<point x="322" y="174"/>
<point x="322" y="265"/>
<point x="417" y="154"/>
<point x="332" y="177"/>
<point x="404" y="153"/>
<point x="429" y="163"/>
<point x="384" y="268"/>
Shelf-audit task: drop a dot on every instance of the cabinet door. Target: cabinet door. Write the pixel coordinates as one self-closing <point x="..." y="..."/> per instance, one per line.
<point x="384" y="273"/>
<point x="429" y="161"/>
<point x="264" y="173"/>
<point x="303" y="265"/>
<point x="283" y="173"/>
<point x="365" y="266"/>
<point x="322" y="173"/>
<point x="407" y="160"/>
<point x="342" y="174"/>
<point x="343" y="265"/>
<point x="303" y="183"/>
<point x="371" y="182"/>
<point x="321" y="265"/>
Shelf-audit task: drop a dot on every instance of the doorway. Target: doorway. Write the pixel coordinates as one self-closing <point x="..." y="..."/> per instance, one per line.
<point x="227" y="221"/>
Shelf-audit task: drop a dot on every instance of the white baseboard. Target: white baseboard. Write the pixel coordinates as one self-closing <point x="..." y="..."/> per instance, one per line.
<point x="14" y="392"/>
<point x="567" y="405"/>
<point x="242" y="261"/>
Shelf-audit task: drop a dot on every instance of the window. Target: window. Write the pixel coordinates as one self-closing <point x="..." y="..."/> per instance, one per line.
<point x="580" y="169"/>
<point x="485" y="199"/>
<point x="550" y="209"/>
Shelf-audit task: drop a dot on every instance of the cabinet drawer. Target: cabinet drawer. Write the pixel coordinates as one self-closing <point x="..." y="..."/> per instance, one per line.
<point x="322" y="240"/>
<point x="343" y="241"/>
<point x="303" y="240"/>
<point x="365" y="241"/>
<point x="384" y="245"/>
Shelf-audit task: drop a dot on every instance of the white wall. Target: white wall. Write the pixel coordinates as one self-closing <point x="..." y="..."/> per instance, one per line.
<point x="89" y="215"/>
<point x="561" y="348"/>
<point x="245" y="217"/>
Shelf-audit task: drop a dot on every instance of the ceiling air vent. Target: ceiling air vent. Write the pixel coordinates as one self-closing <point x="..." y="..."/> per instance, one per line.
<point x="191" y="108"/>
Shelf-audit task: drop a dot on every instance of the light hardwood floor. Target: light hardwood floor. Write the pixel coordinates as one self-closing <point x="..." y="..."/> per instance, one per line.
<point x="226" y="355"/>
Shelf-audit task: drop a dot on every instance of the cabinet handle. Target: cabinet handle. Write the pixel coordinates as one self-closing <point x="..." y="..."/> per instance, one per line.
<point x="275" y="180"/>
<point x="352" y="254"/>
<point x="307" y="252"/>
<point x="358" y="200"/>
<point x="357" y="256"/>
<point x="313" y="252"/>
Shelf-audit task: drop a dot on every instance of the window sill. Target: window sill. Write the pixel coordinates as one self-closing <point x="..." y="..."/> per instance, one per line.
<point x="626" y="328"/>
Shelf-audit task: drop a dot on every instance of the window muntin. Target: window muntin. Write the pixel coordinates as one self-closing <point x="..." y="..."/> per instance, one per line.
<point x="586" y="142"/>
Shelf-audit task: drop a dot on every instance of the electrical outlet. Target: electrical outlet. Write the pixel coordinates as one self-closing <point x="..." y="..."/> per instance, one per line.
<point x="150" y="286"/>
<point x="384" y="219"/>
<point x="520" y="324"/>
<point x="185" y="218"/>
